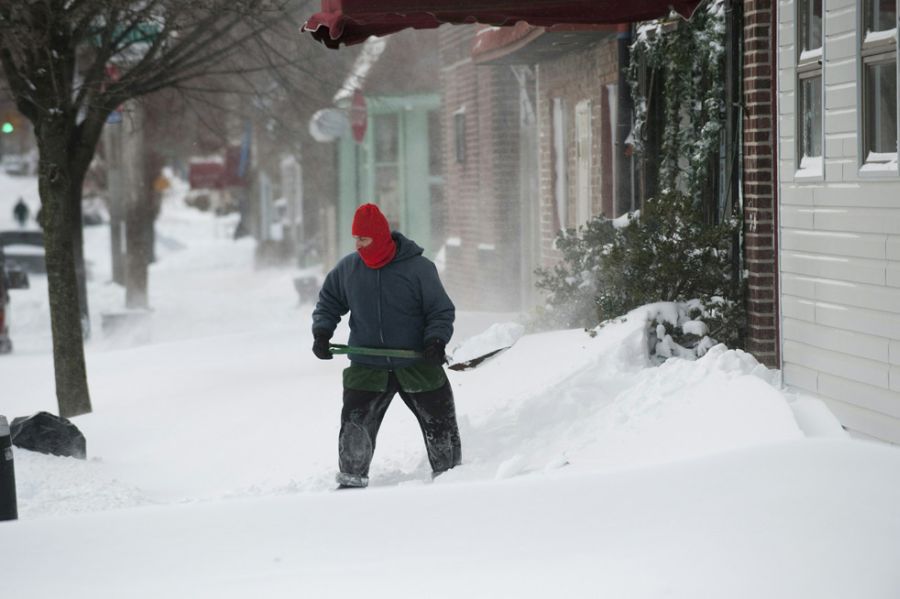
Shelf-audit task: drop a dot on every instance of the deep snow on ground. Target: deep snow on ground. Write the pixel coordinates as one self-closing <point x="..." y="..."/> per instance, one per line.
<point x="212" y="451"/>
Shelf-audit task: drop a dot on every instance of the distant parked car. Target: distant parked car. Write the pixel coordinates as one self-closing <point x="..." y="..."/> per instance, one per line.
<point x="93" y="211"/>
<point x="15" y="164"/>
<point x="23" y="250"/>
<point x="10" y="278"/>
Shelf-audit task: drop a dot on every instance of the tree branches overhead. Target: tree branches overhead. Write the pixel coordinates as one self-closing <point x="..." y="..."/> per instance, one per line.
<point x="86" y="57"/>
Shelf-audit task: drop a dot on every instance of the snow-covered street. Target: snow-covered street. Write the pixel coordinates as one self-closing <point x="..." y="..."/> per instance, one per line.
<point x="212" y="451"/>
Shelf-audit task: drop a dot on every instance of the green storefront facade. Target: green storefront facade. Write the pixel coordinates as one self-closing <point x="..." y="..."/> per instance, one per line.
<point x="397" y="166"/>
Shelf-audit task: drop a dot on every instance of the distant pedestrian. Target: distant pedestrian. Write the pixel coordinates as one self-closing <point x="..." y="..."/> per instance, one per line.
<point x="21" y="212"/>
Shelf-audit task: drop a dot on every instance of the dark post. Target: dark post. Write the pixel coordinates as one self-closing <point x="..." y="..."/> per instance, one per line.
<point x="622" y="164"/>
<point x="8" y="509"/>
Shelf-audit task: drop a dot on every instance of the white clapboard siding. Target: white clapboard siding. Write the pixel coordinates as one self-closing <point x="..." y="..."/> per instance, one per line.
<point x="857" y="245"/>
<point x="839" y="248"/>
<point x="870" y="372"/>
<point x="872" y="297"/>
<point x="838" y="340"/>
<point x="894" y="353"/>
<point x="872" y="423"/>
<point x="842" y="268"/>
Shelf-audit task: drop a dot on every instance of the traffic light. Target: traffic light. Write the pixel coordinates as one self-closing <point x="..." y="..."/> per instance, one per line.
<point x="10" y="121"/>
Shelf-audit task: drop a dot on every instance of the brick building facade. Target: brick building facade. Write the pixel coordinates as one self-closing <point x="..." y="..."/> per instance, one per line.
<point x="529" y="149"/>
<point x="481" y="174"/>
<point x="579" y="80"/>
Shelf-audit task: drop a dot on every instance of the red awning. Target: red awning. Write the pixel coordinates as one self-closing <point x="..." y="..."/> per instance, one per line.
<point x="352" y="21"/>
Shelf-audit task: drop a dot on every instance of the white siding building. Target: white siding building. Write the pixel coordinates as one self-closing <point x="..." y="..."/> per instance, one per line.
<point x="839" y="218"/>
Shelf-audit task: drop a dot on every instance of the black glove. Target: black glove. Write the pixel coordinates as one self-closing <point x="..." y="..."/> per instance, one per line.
<point x="320" y="345"/>
<point x="434" y="355"/>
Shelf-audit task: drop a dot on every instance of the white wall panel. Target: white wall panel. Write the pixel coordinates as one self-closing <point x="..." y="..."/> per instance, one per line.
<point x="793" y="307"/>
<point x="884" y="299"/>
<point x="859" y="270"/>
<point x="893" y="248"/>
<point x="895" y="353"/>
<point x="796" y="217"/>
<point x="859" y="220"/>
<point x="882" y="324"/>
<point x="862" y="394"/>
<point x="838" y="364"/>
<point x="792" y="284"/>
<point x="893" y="274"/>
<point x="872" y="423"/>
<point x="859" y="245"/>
<point x="838" y="340"/>
<point x="800" y="377"/>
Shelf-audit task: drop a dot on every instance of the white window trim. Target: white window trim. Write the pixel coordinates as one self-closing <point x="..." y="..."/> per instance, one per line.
<point x="560" y="149"/>
<point x="808" y="64"/>
<point x="869" y="45"/>
<point x="584" y="162"/>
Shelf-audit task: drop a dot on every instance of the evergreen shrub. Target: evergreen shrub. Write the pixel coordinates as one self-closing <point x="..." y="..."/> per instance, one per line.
<point x="666" y="252"/>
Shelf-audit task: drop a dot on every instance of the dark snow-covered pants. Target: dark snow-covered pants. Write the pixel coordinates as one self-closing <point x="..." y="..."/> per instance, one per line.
<point x="364" y="411"/>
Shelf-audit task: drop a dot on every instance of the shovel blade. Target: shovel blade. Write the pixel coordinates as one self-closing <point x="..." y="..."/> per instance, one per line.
<point x="474" y="362"/>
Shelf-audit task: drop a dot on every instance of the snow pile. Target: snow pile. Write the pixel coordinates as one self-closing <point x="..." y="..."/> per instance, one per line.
<point x="498" y="337"/>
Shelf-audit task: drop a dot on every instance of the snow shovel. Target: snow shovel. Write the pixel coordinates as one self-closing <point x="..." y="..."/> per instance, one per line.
<point x="473" y="362"/>
<point x="340" y="348"/>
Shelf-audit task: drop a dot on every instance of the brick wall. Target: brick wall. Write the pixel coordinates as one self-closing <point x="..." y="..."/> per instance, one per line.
<point x="482" y="192"/>
<point x="759" y="181"/>
<point x="581" y="75"/>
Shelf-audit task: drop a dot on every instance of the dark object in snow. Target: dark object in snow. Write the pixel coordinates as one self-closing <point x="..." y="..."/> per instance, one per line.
<point x="8" y="508"/>
<point x="46" y="433"/>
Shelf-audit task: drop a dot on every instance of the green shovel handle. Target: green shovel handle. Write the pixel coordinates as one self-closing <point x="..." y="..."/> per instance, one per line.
<point x="339" y="348"/>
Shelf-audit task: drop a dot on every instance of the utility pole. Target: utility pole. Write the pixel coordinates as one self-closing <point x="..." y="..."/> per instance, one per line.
<point x="115" y="186"/>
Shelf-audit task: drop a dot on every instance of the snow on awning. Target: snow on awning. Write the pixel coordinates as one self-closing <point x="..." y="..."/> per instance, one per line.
<point x="353" y="21"/>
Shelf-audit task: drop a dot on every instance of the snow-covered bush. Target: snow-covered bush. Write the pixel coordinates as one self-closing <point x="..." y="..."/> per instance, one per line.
<point x="571" y="284"/>
<point x="685" y="329"/>
<point x="665" y="253"/>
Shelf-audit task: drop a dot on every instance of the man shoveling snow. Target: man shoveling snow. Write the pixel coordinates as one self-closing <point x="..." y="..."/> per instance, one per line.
<point x="396" y="300"/>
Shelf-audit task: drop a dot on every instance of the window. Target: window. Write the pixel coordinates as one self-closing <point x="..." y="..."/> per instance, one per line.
<point x="560" y="160"/>
<point x="459" y="135"/>
<point x="809" y="87"/>
<point x="879" y="85"/>
<point x="387" y="166"/>
<point x="583" y="162"/>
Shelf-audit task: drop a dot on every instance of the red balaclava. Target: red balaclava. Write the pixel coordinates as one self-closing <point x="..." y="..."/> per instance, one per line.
<point x="370" y="222"/>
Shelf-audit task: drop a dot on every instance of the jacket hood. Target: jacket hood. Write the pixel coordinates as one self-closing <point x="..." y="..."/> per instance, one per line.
<point x="406" y="248"/>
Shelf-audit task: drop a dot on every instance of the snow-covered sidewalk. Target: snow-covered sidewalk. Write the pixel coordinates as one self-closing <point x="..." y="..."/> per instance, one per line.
<point x="212" y="450"/>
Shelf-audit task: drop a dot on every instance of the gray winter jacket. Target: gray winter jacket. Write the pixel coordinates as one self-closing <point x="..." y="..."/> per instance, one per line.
<point x="398" y="306"/>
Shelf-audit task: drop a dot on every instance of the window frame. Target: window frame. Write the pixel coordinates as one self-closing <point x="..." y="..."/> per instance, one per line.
<point x="560" y="153"/>
<point x="869" y="53"/>
<point x="806" y="68"/>
<point x="584" y="162"/>
<point x="459" y="135"/>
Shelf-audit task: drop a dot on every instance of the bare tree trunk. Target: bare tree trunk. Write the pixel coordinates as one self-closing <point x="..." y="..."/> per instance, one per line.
<point x="75" y="196"/>
<point x="139" y="240"/>
<point x="59" y="216"/>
